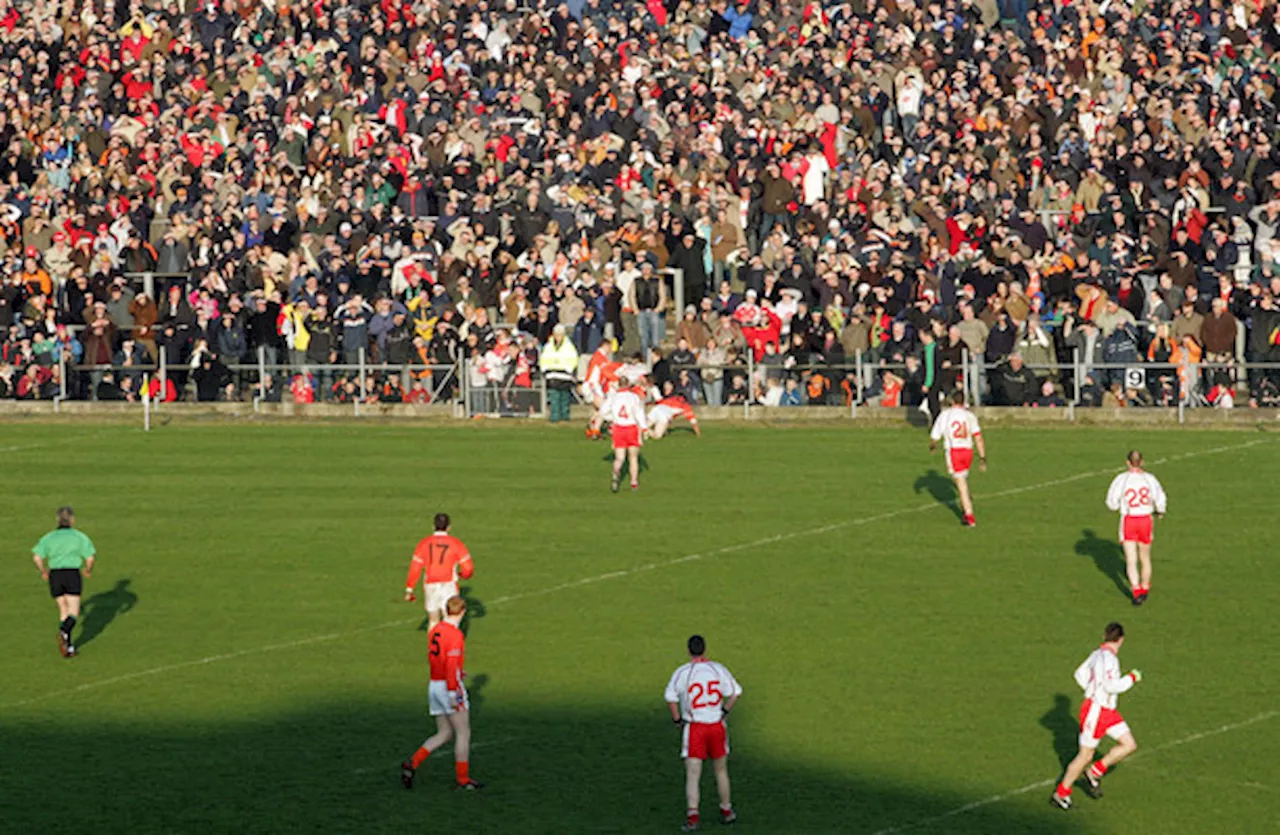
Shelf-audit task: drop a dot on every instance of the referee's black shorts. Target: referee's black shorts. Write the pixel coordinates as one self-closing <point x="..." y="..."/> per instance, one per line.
<point x="64" y="581"/>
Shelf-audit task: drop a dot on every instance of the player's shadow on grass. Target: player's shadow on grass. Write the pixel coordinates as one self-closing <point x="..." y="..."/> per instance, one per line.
<point x="1107" y="555"/>
<point x="330" y="763"/>
<point x="943" y="491"/>
<point x="475" y="609"/>
<point x="1063" y="725"/>
<point x="98" y="611"/>
<point x="644" y="463"/>
<point x="475" y="691"/>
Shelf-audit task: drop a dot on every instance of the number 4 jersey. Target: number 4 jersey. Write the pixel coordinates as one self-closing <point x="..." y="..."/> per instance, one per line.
<point x="701" y="688"/>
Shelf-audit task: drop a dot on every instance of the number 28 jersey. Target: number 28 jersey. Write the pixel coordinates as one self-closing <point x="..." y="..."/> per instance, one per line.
<point x="1136" y="493"/>
<point x="701" y="689"/>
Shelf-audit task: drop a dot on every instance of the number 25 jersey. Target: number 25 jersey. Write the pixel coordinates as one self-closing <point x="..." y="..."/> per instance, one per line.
<point x="701" y="688"/>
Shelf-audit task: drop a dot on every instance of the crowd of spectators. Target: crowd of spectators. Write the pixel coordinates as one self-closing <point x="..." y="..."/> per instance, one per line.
<point x="351" y="182"/>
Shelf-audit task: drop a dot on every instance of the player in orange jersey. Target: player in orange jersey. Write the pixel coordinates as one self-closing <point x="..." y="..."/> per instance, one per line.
<point x="666" y="410"/>
<point x="440" y="559"/>
<point x="593" y="385"/>
<point x="599" y="387"/>
<point x="447" y="699"/>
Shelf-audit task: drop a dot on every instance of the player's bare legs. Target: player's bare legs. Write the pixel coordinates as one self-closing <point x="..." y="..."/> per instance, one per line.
<point x="966" y="502"/>
<point x="1144" y="560"/>
<point x="1124" y="748"/>
<point x="633" y="454"/>
<point x="1131" y="567"/>
<point x="619" y="455"/>
<point x="461" y="722"/>
<point x="721" y="769"/>
<point x="434" y="616"/>
<point x="692" y="795"/>
<point x="1074" y="769"/>
<point x="444" y="733"/>
<point x="68" y="606"/>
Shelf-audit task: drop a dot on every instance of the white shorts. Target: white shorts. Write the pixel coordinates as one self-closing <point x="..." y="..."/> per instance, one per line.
<point x="441" y="703"/>
<point x="436" y="595"/>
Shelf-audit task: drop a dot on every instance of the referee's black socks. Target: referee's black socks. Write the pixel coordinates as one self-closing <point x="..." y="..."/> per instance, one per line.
<point x="67" y="625"/>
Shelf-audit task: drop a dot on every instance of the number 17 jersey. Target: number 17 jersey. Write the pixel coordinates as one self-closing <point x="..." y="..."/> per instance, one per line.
<point x="701" y="688"/>
<point x="438" y="557"/>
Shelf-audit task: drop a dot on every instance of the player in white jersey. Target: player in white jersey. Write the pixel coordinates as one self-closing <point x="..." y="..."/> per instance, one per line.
<point x="700" y="695"/>
<point x="1099" y="676"/>
<point x="1137" y="495"/>
<point x="958" y="429"/>
<point x="624" y="409"/>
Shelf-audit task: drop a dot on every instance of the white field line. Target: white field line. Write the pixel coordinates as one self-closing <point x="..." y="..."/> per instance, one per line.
<point x="1044" y="784"/>
<point x="73" y="439"/>
<point x="614" y="575"/>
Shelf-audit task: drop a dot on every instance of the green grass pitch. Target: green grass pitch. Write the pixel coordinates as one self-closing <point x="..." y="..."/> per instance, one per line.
<point x="246" y="666"/>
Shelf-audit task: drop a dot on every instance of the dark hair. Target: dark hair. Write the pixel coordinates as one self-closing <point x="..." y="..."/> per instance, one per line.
<point x="697" y="645"/>
<point x="442" y="521"/>
<point x="1135" y="458"/>
<point x="957" y="397"/>
<point x="66" y="516"/>
<point x="1114" y="632"/>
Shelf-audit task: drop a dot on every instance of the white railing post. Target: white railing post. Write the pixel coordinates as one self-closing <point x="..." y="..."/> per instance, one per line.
<point x="857" y="374"/>
<point x="466" y="386"/>
<point x="62" y="381"/>
<point x="964" y="376"/>
<point x="751" y="384"/>
<point x="163" y="366"/>
<point x="362" y="389"/>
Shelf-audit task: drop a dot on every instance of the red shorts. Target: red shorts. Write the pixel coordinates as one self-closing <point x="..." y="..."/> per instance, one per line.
<point x="705" y="741"/>
<point x="625" y="437"/>
<point x="959" y="461"/>
<point x="1097" y="722"/>
<point x="1136" y="529"/>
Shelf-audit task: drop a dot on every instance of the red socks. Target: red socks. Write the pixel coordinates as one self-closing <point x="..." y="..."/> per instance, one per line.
<point x="1063" y="791"/>
<point x="462" y="771"/>
<point x="1098" y="769"/>
<point x="420" y="755"/>
<point x="692" y="817"/>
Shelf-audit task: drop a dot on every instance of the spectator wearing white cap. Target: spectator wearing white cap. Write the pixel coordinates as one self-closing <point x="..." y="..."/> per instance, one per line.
<point x="559" y="364"/>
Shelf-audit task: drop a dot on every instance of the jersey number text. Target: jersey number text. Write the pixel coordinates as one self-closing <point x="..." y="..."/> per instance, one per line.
<point x="708" y="697"/>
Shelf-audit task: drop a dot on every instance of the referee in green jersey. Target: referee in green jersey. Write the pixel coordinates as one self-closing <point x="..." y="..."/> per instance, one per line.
<point x="60" y="554"/>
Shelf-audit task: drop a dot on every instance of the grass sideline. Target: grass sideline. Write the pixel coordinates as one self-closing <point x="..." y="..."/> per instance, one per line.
<point x="897" y="668"/>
